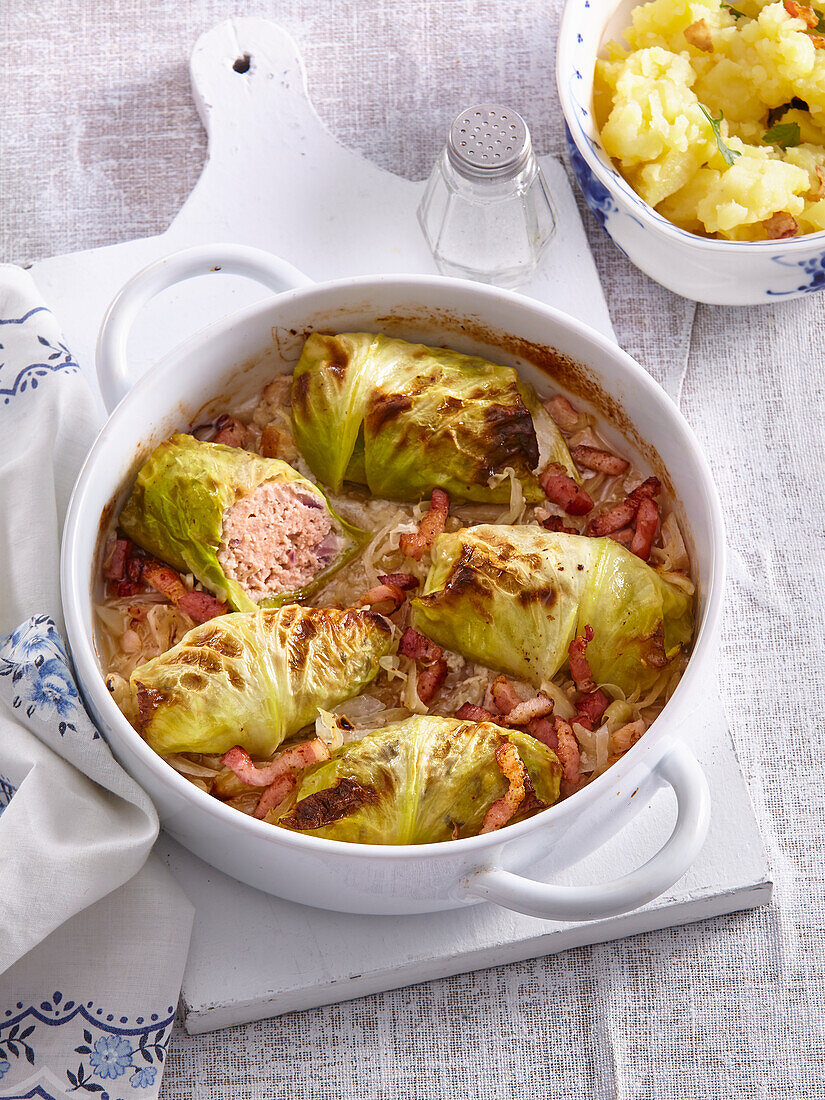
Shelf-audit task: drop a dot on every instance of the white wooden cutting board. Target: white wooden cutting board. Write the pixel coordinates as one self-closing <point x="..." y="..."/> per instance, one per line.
<point x="277" y="179"/>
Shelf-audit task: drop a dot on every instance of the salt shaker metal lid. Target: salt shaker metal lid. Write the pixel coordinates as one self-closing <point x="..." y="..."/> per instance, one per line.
<point x="489" y="142"/>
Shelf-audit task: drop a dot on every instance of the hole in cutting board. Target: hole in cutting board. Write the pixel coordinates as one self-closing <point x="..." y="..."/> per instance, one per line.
<point x="241" y="64"/>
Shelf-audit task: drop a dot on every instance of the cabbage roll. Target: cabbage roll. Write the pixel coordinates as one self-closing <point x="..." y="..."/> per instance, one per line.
<point x="252" y="530"/>
<point x="404" y="419"/>
<point x="253" y="678"/>
<point x="419" y="781"/>
<point x="513" y="598"/>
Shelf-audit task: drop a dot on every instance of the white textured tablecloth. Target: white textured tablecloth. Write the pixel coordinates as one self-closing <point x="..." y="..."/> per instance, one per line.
<point x="100" y="142"/>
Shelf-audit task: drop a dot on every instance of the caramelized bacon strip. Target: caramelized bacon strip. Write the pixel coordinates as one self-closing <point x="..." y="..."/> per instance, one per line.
<point x="413" y="545"/>
<point x="781" y="225"/>
<point x="384" y="598"/>
<point x="627" y="736"/>
<point x="274" y="795"/>
<point x="114" y="560"/>
<point x="591" y="708"/>
<point x="591" y="458"/>
<point x="469" y="712"/>
<point x="505" y="808"/>
<point x="418" y="647"/>
<point x="505" y="696"/>
<point x="621" y="515"/>
<point x="579" y="665"/>
<point x="331" y="804"/>
<point x="304" y="755"/>
<point x="623" y="537"/>
<point x="544" y="730"/>
<point x="803" y="12"/>
<point x="231" y="432"/>
<point x="565" y="415"/>
<point x="556" y="523"/>
<point x="563" y="490"/>
<point x="200" y="606"/>
<point x="647" y="520"/>
<point x="530" y="710"/>
<point x="569" y="757"/>
<point x="430" y="680"/>
<point x="405" y="581"/>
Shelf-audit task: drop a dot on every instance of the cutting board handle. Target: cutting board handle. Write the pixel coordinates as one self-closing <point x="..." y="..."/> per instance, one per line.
<point x="228" y="259"/>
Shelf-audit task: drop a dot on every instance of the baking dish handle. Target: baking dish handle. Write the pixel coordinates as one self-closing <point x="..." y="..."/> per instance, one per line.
<point x="224" y="259"/>
<point x="678" y="767"/>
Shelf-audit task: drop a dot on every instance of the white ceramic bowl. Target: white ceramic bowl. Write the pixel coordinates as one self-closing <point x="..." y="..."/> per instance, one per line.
<point x="718" y="272"/>
<point x="229" y="362"/>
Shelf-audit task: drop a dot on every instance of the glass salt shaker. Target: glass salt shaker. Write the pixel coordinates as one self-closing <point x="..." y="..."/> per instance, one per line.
<point x="486" y="210"/>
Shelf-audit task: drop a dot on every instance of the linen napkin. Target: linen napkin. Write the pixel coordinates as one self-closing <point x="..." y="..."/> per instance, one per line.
<point x="93" y="930"/>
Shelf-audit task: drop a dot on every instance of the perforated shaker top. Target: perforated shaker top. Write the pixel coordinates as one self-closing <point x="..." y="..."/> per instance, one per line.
<point x="489" y="142"/>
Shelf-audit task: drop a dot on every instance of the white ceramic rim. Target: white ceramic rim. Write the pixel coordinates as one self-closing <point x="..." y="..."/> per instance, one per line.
<point x="617" y="185"/>
<point x="89" y="671"/>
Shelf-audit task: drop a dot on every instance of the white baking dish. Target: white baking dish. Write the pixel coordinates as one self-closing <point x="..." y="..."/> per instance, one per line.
<point x="231" y="361"/>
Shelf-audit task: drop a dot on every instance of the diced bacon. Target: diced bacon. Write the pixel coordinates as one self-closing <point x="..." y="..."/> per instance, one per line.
<point x="505" y="696"/>
<point x="418" y="647"/>
<point x="559" y="487"/>
<point x="647" y="520"/>
<point x="591" y="458"/>
<point x="801" y="11"/>
<point x="469" y="712"/>
<point x="135" y="563"/>
<point x="270" y="441"/>
<point x="165" y="580"/>
<point x="623" y="537"/>
<point x="531" y="709"/>
<point x="544" y="730"/>
<point x="621" y="515"/>
<point x="126" y="588"/>
<point x="304" y="755"/>
<point x="274" y="795"/>
<point x="556" y="523"/>
<point x="569" y="756"/>
<point x="114" y="560"/>
<point x="505" y="808"/>
<point x="818" y="41"/>
<point x="405" y="581"/>
<point x="627" y="736"/>
<point x="781" y="225"/>
<point x="231" y="432"/>
<point x="430" y="680"/>
<point x="202" y="606"/>
<point x="698" y="35"/>
<point x="415" y="544"/>
<point x="591" y="708"/>
<point x="384" y="598"/>
<point x="579" y="665"/>
<point x="564" y="414"/>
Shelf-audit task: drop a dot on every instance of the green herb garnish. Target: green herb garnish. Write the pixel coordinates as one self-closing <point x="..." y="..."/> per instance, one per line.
<point x="735" y="12"/>
<point x="783" y="134"/>
<point x="728" y="155"/>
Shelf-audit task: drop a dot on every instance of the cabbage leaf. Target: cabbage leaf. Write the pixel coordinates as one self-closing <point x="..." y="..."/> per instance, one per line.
<point x="405" y="418"/>
<point x="254" y="678"/>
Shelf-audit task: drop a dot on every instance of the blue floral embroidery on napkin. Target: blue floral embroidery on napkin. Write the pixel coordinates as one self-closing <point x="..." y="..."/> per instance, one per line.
<point x="7" y="789"/>
<point x="136" y="1049"/>
<point x="55" y="358"/>
<point x="34" y="659"/>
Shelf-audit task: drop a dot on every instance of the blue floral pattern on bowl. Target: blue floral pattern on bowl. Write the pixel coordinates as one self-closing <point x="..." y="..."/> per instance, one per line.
<point x="813" y="266"/>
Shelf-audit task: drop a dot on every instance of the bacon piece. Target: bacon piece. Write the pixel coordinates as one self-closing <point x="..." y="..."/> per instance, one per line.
<point x="591" y="708"/>
<point x="418" y="647"/>
<point x="627" y="736"/>
<point x="563" y="490"/>
<point x="818" y="41"/>
<point x="126" y="588"/>
<point x="565" y="415"/>
<point x="505" y="808"/>
<point x="270" y="441"/>
<point x="819" y="193"/>
<point x="569" y="756"/>
<point x="623" y="537"/>
<point x="591" y="458"/>
<point x="469" y="712"/>
<point x="530" y="710"/>
<point x="579" y="665"/>
<point x="274" y="795"/>
<point x="202" y="606"/>
<point x="781" y="225"/>
<point x="544" y="730"/>
<point x="803" y="12"/>
<point x="114" y="559"/>
<point x="413" y="545"/>
<point x="556" y="523"/>
<point x="430" y="680"/>
<point x="647" y="520"/>
<point x="135" y="563"/>
<point x="231" y="432"/>
<point x="698" y="35"/>
<point x="405" y="581"/>
<point x="331" y="804"/>
<point x="307" y="753"/>
<point x="620" y="515"/>
<point x="384" y="598"/>
<point x="505" y="696"/>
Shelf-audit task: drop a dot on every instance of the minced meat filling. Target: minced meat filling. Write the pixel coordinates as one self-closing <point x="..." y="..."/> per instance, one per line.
<point x="277" y="539"/>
